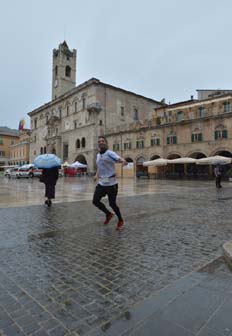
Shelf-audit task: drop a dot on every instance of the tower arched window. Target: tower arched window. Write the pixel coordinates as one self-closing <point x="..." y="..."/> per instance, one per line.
<point x="78" y="143"/>
<point x="56" y="71"/>
<point x="83" y="142"/>
<point x="68" y="71"/>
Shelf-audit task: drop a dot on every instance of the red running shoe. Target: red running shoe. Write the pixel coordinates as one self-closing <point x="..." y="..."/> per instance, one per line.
<point x="120" y="225"/>
<point x="108" y="218"/>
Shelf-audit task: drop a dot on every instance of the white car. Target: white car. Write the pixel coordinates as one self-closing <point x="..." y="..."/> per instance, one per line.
<point x="26" y="171"/>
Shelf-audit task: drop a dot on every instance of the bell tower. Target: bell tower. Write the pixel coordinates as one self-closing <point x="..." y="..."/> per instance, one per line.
<point x="63" y="70"/>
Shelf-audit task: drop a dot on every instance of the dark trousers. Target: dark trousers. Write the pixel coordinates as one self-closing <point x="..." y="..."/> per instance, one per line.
<point x="50" y="191"/>
<point x="111" y="192"/>
<point x="218" y="181"/>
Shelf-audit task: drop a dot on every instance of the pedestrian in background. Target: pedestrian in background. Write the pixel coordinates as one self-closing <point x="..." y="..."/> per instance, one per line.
<point x="218" y="176"/>
<point x="49" y="177"/>
<point x="107" y="184"/>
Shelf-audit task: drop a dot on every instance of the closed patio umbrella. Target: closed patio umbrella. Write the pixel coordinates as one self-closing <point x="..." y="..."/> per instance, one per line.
<point x="157" y="162"/>
<point x="183" y="160"/>
<point x="214" y="160"/>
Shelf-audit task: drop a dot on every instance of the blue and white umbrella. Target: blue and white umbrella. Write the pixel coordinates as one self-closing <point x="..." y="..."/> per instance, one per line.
<point x="47" y="161"/>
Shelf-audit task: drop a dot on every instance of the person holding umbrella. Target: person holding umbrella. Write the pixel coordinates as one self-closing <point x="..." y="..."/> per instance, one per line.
<point x="218" y="176"/>
<point x="107" y="184"/>
<point x="49" y="178"/>
<point x="49" y="163"/>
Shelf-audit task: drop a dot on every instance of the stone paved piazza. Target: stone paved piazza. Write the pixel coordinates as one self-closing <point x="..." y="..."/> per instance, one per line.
<point x="63" y="273"/>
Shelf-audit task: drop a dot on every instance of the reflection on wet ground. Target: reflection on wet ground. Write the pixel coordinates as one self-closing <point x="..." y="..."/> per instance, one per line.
<point x="63" y="273"/>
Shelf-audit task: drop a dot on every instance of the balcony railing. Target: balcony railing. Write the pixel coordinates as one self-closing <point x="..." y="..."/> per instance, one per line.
<point x="94" y="107"/>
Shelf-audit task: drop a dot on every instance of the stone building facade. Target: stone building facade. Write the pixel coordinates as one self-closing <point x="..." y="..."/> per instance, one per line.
<point x="195" y="128"/>
<point x="20" y="149"/>
<point x="69" y="125"/>
<point x="8" y="136"/>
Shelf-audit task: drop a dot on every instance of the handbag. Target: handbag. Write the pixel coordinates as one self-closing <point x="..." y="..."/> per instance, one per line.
<point x="41" y="179"/>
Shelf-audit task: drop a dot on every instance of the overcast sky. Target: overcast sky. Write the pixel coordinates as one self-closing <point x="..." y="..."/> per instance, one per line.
<point x="156" y="48"/>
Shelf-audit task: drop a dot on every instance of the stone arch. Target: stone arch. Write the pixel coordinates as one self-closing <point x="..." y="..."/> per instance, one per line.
<point x="154" y="157"/>
<point x="129" y="159"/>
<point x="171" y="156"/>
<point x="140" y="169"/>
<point x="81" y="158"/>
<point x="222" y="151"/>
<point x="197" y="171"/>
<point x="197" y="155"/>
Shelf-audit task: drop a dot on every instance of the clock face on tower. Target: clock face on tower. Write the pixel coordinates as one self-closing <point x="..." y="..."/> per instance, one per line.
<point x="67" y="124"/>
<point x="55" y="83"/>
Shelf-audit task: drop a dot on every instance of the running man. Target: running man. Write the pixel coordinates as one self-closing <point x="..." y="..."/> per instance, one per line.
<point x="107" y="184"/>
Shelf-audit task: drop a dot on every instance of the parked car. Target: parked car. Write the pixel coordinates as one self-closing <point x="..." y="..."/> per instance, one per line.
<point x="26" y="171"/>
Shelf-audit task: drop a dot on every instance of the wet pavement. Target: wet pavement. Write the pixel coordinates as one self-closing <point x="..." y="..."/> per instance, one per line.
<point x="63" y="273"/>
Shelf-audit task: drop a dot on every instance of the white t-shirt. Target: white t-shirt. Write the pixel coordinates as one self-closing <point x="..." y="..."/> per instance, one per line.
<point x="106" y="167"/>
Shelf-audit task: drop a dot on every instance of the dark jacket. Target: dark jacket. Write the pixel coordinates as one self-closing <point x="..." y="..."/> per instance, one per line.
<point x="50" y="176"/>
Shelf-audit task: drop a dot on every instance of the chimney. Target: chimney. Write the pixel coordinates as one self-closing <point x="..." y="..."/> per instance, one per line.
<point x="191" y="97"/>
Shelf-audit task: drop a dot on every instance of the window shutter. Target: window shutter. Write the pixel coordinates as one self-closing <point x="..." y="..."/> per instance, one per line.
<point x="158" y="142"/>
<point x="168" y="140"/>
<point x="224" y="134"/>
<point x="216" y="135"/>
<point x="200" y="137"/>
<point x="174" y="140"/>
<point x="192" y="137"/>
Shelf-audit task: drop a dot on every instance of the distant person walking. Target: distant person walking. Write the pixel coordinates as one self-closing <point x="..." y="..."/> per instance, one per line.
<point x="49" y="178"/>
<point x="218" y="176"/>
<point x="107" y="184"/>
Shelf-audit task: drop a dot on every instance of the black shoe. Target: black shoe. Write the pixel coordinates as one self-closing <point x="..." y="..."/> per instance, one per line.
<point x="49" y="203"/>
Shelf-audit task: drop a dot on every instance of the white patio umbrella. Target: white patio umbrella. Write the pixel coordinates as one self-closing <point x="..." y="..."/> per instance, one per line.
<point x="157" y="162"/>
<point x="183" y="160"/>
<point x="214" y="160"/>
<point x="77" y="164"/>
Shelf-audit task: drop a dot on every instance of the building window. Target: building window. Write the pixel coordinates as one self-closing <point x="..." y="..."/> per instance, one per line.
<point x="68" y="71"/>
<point x="83" y="142"/>
<point x="196" y="137"/>
<point x="60" y="113"/>
<point x="2" y="153"/>
<point x="83" y="103"/>
<point x="68" y="110"/>
<point x="65" y="151"/>
<point x="226" y="107"/>
<point x="155" y="142"/>
<point x="56" y="71"/>
<point x="171" y="140"/>
<point x="1" y="141"/>
<point x="136" y="114"/>
<point x="75" y="107"/>
<point x="122" y="111"/>
<point x="34" y="138"/>
<point x="35" y="123"/>
<point x="100" y="122"/>
<point x="140" y="144"/>
<point x="127" y="145"/>
<point x="220" y="134"/>
<point x="75" y="124"/>
<point x="179" y="116"/>
<point x="78" y="143"/>
<point x="41" y="150"/>
<point x="201" y="112"/>
<point x="116" y="147"/>
<point x="45" y="150"/>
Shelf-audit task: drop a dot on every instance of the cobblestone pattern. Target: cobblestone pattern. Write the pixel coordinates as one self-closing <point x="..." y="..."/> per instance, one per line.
<point x="63" y="273"/>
